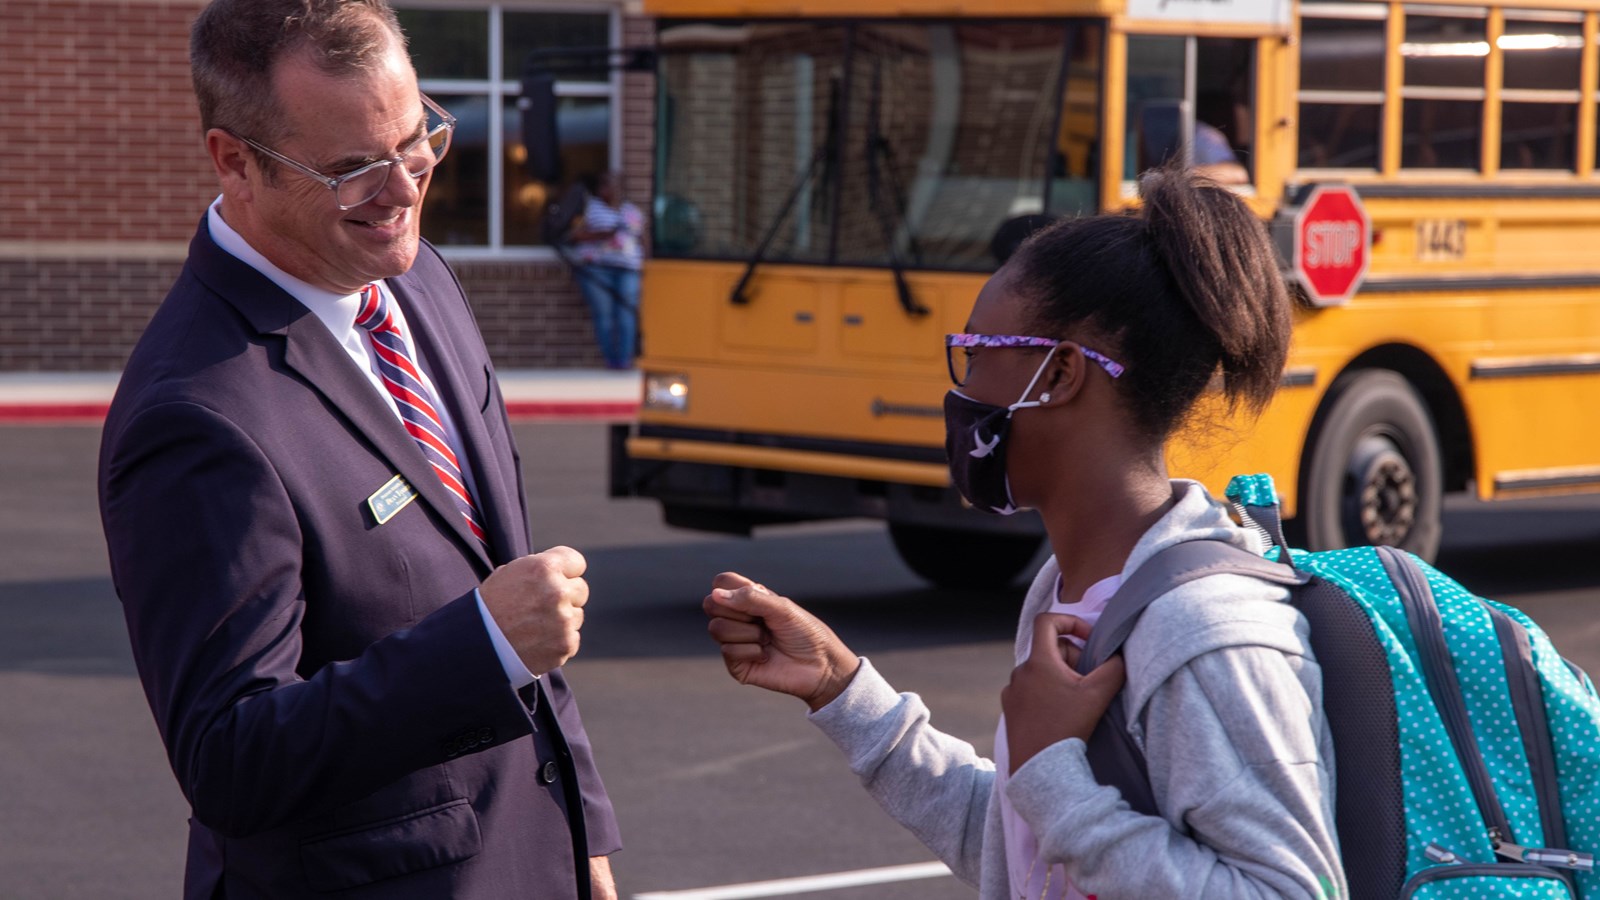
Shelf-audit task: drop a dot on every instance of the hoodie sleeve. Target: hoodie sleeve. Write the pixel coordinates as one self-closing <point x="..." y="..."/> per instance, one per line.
<point x="934" y="785"/>
<point x="1241" y="771"/>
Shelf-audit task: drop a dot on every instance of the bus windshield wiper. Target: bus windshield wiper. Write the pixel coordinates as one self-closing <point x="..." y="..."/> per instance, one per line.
<point x="819" y="160"/>
<point x="738" y="294"/>
<point x="890" y="216"/>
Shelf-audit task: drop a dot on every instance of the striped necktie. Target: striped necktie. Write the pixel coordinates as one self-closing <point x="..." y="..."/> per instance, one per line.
<point x="400" y="376"/>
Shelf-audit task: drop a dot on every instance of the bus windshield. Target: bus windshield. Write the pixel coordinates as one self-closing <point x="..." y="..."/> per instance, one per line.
<point x="899" y="144"/>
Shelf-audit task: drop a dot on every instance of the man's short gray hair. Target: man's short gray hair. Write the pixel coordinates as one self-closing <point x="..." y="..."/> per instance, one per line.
<point x="235" y="44"/>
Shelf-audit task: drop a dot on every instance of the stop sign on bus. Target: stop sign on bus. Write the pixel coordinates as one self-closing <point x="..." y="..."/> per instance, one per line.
<point x="1332" y="244"/>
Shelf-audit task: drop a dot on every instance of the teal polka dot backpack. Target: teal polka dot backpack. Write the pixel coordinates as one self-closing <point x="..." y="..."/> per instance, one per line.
<point x="1466" y="750"/>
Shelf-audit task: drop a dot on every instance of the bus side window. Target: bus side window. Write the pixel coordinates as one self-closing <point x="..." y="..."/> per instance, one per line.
<point x="1157" y="80"/>
<point x="1342" y="86"/>
<point x="1444" y="56"/>
<point x="1198" y="91"/>
<point x="1543" y="53"/>
<point x="1224" y="109"/>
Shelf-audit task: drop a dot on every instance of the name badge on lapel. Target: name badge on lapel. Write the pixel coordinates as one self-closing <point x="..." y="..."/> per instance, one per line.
<point x="391" y="498"/>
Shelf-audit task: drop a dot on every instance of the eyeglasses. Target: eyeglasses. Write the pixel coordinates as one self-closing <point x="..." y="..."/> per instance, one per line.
<point x="360" y="185"/>
<point x="958" y="352"/>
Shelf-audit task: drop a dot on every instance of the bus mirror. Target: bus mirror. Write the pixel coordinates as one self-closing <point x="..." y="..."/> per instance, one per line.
<point x="539" y="133"/>
<point x="1166" y="128"/>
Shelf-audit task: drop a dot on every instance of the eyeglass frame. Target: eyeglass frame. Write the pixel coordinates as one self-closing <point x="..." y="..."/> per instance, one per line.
<point x="963" y="340"/>
<point x="333" y="182"/>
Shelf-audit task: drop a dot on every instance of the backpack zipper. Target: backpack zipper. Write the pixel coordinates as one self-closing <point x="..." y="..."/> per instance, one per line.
<point x="1427" y="629"/>
<point x="1481" y="870"/>
<point x="1554" y="857"/>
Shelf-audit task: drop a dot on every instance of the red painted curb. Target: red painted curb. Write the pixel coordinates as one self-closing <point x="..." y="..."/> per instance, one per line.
<point x="555" y="409"/>
<point x="53" y="412"/>
<point x="45" y="413"/>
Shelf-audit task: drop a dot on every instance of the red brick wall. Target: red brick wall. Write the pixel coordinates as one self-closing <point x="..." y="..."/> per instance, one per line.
<point x="101" y="136"/>
<point x="82" y="315"/>
<point x="107" y="179"/>
<point x="530" y="314"/>
<point x="76" y="315"/>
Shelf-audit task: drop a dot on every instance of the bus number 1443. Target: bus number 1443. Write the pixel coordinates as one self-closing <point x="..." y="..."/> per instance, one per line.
<point x="1441" y="239"/>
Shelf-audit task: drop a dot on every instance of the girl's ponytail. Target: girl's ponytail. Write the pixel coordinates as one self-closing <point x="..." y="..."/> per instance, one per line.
<point x="1224" y="267"/>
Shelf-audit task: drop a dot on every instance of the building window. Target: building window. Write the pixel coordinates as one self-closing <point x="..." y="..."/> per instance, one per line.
<point x="470" y="60"/>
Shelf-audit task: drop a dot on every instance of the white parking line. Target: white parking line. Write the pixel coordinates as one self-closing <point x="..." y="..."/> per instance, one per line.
<point x="786" y="886"/>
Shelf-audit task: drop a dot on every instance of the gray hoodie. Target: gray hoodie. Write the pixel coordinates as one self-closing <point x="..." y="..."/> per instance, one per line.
<point x="1225" y="699"/>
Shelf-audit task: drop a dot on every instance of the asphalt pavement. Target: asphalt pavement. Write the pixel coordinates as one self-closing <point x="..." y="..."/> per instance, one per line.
<point x="715" y="784"/>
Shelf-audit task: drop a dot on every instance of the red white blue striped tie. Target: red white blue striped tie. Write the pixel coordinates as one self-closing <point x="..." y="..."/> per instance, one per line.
<point x="417" y="412"/>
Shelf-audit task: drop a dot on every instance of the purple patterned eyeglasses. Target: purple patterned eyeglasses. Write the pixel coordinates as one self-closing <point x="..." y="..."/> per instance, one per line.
<point x="959" y="362"/>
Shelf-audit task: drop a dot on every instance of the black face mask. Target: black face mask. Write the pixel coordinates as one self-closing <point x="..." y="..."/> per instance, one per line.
<point x="975" y="442"/>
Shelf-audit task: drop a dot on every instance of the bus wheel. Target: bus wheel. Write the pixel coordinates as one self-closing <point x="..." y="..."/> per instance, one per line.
<point x="1375" y="476"/>
<point x="963" y="559"/>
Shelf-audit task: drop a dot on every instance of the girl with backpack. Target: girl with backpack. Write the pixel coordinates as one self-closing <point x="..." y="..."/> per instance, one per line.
<point x="1083" y="354"/>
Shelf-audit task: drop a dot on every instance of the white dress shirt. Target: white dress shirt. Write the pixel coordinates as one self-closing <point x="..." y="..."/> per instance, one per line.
<point x="338" y="313"/>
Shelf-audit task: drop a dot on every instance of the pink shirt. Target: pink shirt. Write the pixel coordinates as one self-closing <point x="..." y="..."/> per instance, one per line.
<point x="1032" y="878"/>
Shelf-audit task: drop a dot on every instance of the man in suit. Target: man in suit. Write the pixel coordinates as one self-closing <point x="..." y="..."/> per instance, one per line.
<point x="315" y="512"/>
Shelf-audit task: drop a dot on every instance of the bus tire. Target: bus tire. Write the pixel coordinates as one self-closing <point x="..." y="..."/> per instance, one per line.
<point x="963" y="559"/>
<point x="1375" y="475"/>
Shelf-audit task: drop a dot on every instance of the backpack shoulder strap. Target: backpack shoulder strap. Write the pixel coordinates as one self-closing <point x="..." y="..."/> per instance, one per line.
<point x="1115" y="758"/>
<point x="1167" y="570"/>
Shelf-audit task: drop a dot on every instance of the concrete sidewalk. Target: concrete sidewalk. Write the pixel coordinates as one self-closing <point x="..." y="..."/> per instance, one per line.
<point x="531" y="395"/>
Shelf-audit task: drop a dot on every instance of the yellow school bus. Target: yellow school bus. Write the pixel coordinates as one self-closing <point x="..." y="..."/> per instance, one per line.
<point x="834" y="180"/>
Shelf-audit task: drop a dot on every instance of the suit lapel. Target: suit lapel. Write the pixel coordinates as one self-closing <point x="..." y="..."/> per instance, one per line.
<point x="312" y="353"/>
<point x="459" y="381"/>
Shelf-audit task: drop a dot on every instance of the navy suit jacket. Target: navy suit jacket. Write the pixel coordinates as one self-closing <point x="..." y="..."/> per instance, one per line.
<point x="329" y="697"/>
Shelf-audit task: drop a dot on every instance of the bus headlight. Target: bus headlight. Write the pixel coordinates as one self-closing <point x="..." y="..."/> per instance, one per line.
<point x="666" y="392"/>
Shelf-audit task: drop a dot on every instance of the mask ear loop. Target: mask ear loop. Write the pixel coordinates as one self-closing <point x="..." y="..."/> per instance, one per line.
<point x="1043" y="398"/>
<point x="1029" y="404"/>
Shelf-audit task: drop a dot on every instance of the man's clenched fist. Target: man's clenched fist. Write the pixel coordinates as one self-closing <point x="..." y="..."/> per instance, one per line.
<point x="537" y="601"/>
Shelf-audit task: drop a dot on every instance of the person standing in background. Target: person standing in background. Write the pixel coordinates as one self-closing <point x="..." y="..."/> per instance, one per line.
<point x="314" y="509"/>
<point x="609" y="254"/>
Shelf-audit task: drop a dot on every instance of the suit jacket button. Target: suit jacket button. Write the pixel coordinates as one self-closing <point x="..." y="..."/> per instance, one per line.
<point x="547" y="775"/>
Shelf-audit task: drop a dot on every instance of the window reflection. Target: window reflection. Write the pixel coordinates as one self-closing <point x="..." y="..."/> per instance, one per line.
<point x="1075" y="170"/>
<point x="951" y="134"/>
<point x="456" y="210"/>
<point x="1444" y="59"/>
<point x="447" y="43"/>
<point x="1342" y="54"/>
<point x="1543" y="61"/>
<point x="529" y="32"/>
<point x="584" y="124"/>
<point x="950" y="131"/>
<point x="745" y="139"/>
<point x="1542" y="55"/>
<point x="451" y="49"/>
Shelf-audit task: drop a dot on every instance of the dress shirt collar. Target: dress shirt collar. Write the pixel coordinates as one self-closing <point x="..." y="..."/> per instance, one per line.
<point x="337" y="311"/>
